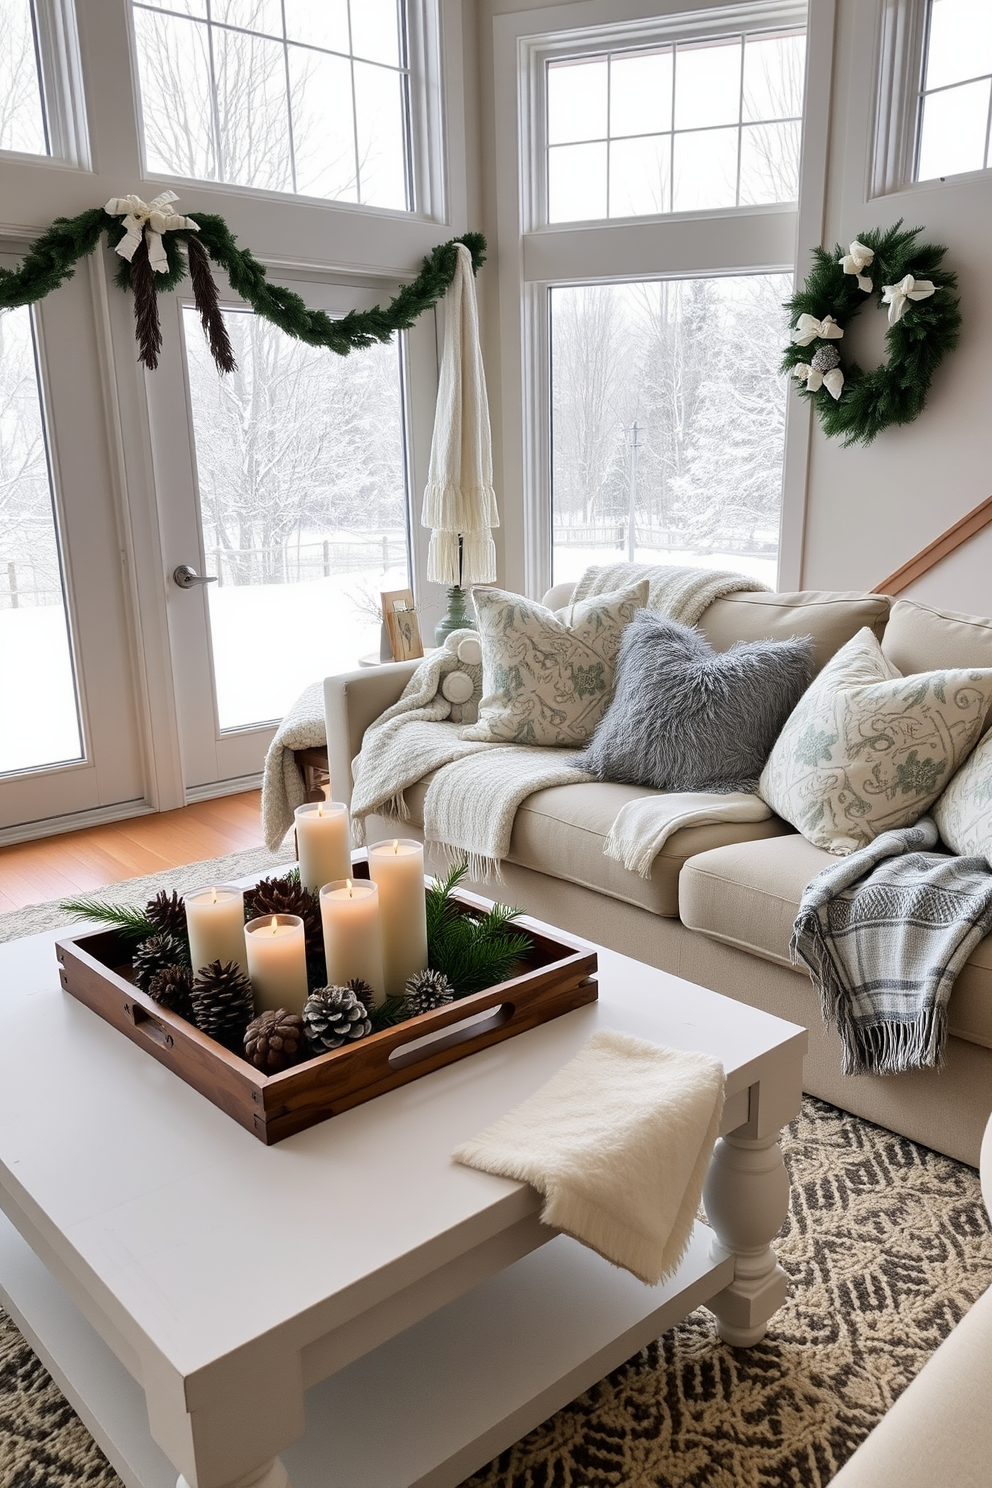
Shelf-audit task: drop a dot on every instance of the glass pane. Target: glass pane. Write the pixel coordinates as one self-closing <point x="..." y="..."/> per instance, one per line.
<point x="705" y="170"/>
<point x="251" y="15"/>
<point x="22" y="122"/>
<point x="381" y="145"/>
<point x="323" y="25"/>
<point x="185" y="7"/>
<point x="39" y="724"/>
<point x="323" y="128"/>
<point x="953" y="132"/>
<point x="641" y="176"/>
<point x="661" y="451"/>
<point x="773" y="77"/>
<point x="375" y="31"/>
<point x="769" y="163"/>
<point x="577" y="93"/>
<point x="303" y="502"/>
<point x="707" y="84"/>
<point x="641" y="93"/>
<point x="576" y="182"/>
<point x="176" y="111"/>
<point x="252" y="109"/>
<point x="960" y="43"/>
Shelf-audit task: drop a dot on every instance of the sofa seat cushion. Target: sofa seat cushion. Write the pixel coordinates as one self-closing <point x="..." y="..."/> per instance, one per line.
<point x="747" y="895"/>
<point x="562" y="831"/>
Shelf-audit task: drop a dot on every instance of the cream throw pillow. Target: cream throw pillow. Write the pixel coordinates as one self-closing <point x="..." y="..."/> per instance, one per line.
<point x="547" y="675"/>
<point x="964" y="812"/>
<point x="867" y="749"/>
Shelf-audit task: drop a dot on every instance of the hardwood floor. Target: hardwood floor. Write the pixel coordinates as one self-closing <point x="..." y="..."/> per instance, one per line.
<point x="97" y="856"/>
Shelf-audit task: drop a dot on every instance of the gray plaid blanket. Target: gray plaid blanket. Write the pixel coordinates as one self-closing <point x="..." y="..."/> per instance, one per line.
<point x="884" y="933"/>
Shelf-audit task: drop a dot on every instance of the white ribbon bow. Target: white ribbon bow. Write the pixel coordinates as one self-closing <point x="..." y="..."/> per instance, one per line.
<point x="859" y="258"/>
<point x="833" y="380"/>
<point x="908" y="288"/>
<point x="808" y="328"/>
<point x="153" y="219"/>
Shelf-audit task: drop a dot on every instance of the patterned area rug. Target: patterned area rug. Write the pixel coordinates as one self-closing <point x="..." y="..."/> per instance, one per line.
<point x="888" y="1244"/>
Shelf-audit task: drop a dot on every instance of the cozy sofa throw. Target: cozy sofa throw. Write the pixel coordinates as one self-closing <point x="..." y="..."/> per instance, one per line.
<point x="867" y="750"/>
<point x="687" y="718"/>
<point x="547" y="675"/>
<point x="964" y="812"/>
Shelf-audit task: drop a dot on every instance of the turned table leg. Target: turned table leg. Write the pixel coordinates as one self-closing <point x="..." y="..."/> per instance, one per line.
<point x="271" y="1475"/>
<point x="747" y="1197"/>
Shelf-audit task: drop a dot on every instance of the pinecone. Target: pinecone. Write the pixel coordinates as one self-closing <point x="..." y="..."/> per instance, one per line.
<point x="154" y="955"/>
<point x="427" y="990"/>
<point x="170" y="988"/>
<point x="334" y="1016"/>
<point x="364" y="993"/>
<point x="288" y="896"/>
<point x="825" y="358"/>
<point x="275" y="1040"/>
<point x="222" y="1003"/>
<point x="167" y="913"/>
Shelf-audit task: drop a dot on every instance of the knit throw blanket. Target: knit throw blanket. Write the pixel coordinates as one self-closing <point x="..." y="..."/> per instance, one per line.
<point x="282" y="784"/>
<point x="884" y="933"/>
<point x="680" y="593"/>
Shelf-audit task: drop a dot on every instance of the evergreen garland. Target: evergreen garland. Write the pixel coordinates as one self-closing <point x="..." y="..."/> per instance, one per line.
<point x="896" y="391"/>
<point x="473" y="952"/>
<point x="52" y="259"/>
<point x="131" y="923"/>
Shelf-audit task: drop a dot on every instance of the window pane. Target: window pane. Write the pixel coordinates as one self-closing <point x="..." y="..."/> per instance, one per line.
<point x="39" y="724"/>
<point x="176" y="110"/>
<point x="641" y="176"/>
<point x="250" y="76"/>
<point x="323" y="25"/>
<point x="323" y="130"/>
<point x="379" y="111"/>
<point x="707" y="84"/>
<point x="705" y="172"/>
<point x="22" y="122"/>
<point x="769" y="163"/>
<point x="641" y="93"/>
<point x="375" y="32"/>
<point x="577" y="94"/>
<point x="251" y="15"/>
<point x="960" y="44"/>
<point x="773" y="77"/>
<point x="303" y="502"/>
<point x="953" y="131"/>
<point x="576" y="183"/>
<point x="662" y="451"/>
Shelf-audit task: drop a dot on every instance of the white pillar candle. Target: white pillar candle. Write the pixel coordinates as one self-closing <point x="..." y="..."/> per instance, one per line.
<point x="215" y="923"/>
<point x="398" y="869"/>
<point x="323" y="843"/>
<point x="277" y="962"/>
<point x="349" y="913"/>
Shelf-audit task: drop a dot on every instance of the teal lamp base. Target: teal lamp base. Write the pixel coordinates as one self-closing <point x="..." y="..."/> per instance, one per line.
<point x="458" y="616"/>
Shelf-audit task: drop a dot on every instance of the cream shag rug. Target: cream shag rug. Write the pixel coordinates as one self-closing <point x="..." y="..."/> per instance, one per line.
<point x="888" y="1244"/>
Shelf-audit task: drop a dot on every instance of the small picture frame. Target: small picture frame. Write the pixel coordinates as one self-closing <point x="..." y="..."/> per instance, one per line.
<point x="400" y="615"/>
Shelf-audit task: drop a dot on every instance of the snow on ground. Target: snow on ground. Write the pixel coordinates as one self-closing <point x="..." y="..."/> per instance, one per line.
<point x="38" y="723"/>
<point x="571" y="563"/>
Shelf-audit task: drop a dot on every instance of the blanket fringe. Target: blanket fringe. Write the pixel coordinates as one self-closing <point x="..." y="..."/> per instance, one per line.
<point x="481" y="869"/>
<point x="395" y="809"/>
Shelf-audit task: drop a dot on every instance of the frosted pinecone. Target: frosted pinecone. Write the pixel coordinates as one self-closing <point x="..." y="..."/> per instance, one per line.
<point x="333" y="1017"/>
<point x="364" y="993"/>
<point x="427" y="990"/>
<point x="825" y="359"/>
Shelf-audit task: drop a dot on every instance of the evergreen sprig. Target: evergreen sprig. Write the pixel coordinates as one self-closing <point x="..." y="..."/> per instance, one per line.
<point x="473" y="951"/>
<point x="128" y="920"/>
<point x="896" y="391"/>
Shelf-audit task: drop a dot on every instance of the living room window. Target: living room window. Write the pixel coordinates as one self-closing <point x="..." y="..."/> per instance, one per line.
<point x="955" y="98"/>
<point x="22" y="110"/>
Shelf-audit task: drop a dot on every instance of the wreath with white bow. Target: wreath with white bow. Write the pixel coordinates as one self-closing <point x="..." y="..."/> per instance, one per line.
<point x="924" y="321"/>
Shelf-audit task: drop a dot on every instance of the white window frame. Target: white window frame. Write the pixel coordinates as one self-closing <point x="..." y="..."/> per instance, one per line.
<point x="62" y="100"/>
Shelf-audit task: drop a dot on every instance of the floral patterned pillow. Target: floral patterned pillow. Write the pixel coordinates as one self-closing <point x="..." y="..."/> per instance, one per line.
<point x="964" y="812"/>
<point x="867" y="749"/>
<point x="547" y="675"/>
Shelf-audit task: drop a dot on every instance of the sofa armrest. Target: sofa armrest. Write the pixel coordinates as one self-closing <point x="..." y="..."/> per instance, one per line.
<point x="353" y="700"/>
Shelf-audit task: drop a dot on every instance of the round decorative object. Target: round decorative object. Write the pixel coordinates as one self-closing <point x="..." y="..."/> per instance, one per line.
<point x="427" y="990"/>
<point x="457" y="687"/>
<point x="906" y="278"/>
<point x="170" y="988"/>
<point x="153" y="955"/>
<point x="275" y="1040"/>
<point x="167" y="913"/>
<point x="222" y="1003"/>
<point x="364" y="993"/>
<point x="333" y="1017"/>
<point x="470" y="651"/>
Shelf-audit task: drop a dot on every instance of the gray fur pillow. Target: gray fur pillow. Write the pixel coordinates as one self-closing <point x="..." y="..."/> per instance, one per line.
<point x="687" y="718"/>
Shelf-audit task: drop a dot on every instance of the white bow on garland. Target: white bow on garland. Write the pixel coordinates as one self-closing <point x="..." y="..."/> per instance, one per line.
<point x="857" y="259"/>
<point x="814" y="377"/>
<point x="151" y="218"/>
<point x="808" y="329"/>
<point x="897" y="296"/>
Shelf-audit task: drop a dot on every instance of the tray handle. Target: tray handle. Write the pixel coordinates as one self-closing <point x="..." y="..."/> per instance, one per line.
<point x="418" y="1049"/>
<point x="148" y="1025"/>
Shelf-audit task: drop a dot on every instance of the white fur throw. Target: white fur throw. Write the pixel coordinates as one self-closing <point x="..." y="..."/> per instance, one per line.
<point x="618" y="1142"/>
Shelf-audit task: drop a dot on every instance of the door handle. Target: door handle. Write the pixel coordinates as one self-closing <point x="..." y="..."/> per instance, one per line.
<point x="186" y="577"/>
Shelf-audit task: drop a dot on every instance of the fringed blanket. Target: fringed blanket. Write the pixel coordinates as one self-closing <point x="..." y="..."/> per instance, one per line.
<point x="884" y="933"/>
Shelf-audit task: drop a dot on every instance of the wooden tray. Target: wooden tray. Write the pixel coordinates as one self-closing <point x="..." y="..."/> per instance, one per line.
<point x="556" y="977"/>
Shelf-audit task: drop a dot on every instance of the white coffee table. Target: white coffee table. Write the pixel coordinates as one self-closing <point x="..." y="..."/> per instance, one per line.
<point x="349" y="1307"/>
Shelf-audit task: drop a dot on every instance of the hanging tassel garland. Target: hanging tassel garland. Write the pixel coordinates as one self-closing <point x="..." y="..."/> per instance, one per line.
<point x="208" y="304"/>
<point x="147" y="327"/>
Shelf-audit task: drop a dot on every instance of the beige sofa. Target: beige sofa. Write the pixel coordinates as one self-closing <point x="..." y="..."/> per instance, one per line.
<point x="719" y="907"/>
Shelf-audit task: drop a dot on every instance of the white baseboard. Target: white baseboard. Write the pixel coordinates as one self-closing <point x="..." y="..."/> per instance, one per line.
<point x="74" y="821"/>
<point x="222" y="788"/>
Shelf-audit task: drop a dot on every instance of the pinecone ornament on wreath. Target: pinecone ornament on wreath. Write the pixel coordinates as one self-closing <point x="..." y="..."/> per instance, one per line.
<point x="825" y="359"/>
<point x="287" y="896"/>
<point x="427" y="990"/>
<point x="334" y="1016"/>
<point x="167" y="913"/>
<point x="275" y="1040"/>
<point x="170" y="988"/>
<point x="153" y="955"/>
<point x="222" y="1003"/>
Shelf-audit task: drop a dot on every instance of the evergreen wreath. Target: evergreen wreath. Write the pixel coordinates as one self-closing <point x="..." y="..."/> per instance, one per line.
<point x="52" y="259"/>
<point x="924" y="322"/>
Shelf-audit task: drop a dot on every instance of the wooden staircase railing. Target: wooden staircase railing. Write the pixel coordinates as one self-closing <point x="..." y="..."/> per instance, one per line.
<point x="979" y="517"/>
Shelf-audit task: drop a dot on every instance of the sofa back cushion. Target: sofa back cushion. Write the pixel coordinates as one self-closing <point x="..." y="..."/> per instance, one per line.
<point x="919" y="638"/>
<point x="830" y="617"/>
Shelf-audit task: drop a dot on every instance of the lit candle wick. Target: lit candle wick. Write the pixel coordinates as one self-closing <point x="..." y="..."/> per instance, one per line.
<point x="351" y="891"/>
<point x="396" y="847"/>
<point x="320" y="808"/>
<point x="214" y="892"/>
<point x="275" y="927"/>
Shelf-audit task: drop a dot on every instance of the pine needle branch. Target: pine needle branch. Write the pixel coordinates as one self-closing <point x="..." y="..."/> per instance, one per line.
<point x="129" y="921"/>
